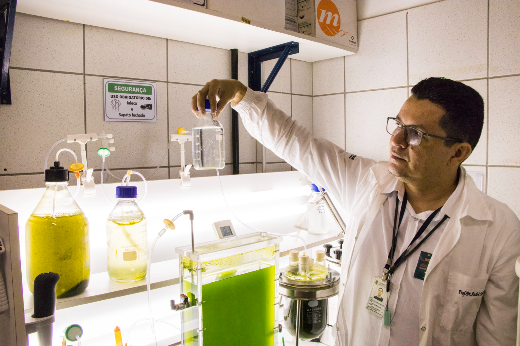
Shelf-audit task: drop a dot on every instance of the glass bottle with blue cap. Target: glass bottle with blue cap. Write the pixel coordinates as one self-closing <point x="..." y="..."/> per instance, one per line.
<point x="127" y="251"/>
<point x="318" y="219"/>
<point x="208" y="143"/>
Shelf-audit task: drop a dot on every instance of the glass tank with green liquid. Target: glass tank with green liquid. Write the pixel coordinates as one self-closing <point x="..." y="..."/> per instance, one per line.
<point x="230" y="287"/>
<point x="57" y="238"/>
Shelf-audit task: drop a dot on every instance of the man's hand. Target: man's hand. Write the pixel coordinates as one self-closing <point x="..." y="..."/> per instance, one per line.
<point x="219" y="92"/>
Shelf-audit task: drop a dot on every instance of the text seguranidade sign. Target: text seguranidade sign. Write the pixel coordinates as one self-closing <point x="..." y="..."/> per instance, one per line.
<point x="130" y="101"/>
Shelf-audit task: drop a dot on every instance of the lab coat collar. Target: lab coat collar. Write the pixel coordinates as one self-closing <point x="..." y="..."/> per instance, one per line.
<point x="466" y="200"/>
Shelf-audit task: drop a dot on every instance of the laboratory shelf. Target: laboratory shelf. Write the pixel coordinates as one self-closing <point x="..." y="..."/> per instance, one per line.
<point x="164" y="274"/>
<point x="270" y="202"/>
<point x="183" y="22"/>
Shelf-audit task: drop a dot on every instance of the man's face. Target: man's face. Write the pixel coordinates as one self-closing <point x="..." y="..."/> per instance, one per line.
<point x="427" y="160"/>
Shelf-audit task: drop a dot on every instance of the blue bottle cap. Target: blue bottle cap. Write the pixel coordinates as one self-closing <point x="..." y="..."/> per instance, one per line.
<point x="126" y="191"/>
<point x="314" y="188"/>
<point x="207" y="106"/>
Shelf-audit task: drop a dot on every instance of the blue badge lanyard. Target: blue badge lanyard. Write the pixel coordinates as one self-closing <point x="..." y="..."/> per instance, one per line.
<point x="389" y="267"/>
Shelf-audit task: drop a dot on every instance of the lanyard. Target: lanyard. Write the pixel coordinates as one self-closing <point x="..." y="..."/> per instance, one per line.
<point x="389" y="267"/>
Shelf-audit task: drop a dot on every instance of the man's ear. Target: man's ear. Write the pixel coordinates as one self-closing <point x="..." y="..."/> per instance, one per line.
<point x="461" y="151"/>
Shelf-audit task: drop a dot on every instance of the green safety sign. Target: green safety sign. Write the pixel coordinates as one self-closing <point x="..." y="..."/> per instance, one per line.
<point x="130" y="89"/>
<point x="130" y="101"/>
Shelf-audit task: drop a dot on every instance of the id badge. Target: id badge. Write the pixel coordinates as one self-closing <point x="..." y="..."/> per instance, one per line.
<point x="377" y="299"/>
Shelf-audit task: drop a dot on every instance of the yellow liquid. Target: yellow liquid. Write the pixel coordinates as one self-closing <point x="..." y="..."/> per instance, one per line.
<point x="59" y="245"/>
<point x="127" y="249"/>
<point x="317" y="273"/>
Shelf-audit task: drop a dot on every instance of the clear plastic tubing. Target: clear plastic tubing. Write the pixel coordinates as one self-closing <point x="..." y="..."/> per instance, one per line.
<point x="78" y="181"/>
<point x="148" y="280"/>
<point x="269" y="233"/>
<point x="126" y="179"/>
<point x="49" y="152"/>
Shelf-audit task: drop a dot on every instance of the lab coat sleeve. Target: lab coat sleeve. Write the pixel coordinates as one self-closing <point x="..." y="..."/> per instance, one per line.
<point x="322" y="161"/>
<point x="497" y="319"/>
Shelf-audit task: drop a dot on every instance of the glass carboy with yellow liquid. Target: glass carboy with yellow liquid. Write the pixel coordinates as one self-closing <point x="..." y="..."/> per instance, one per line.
<point x="127" y="252"/>
<point x="56" y="237"/>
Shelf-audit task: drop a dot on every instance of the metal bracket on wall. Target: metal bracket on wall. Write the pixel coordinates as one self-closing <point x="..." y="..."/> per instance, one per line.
<point x="7" y="14"/>
<point x="255" y="60"/>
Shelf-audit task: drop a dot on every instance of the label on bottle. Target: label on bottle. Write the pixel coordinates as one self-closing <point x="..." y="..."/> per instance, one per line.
<point x="130" y="255"/>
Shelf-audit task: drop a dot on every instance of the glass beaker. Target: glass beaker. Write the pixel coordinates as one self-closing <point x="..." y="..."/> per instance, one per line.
<point x="56" y="237"/>
<point x="208" y="143"/>
<point x="127" y="243"/>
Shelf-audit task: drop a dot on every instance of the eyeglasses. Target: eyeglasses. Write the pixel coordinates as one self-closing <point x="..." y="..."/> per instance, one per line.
<point x="412" y="135"/>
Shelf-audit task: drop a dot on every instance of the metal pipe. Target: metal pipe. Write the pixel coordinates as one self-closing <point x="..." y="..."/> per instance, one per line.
<point x="298" y="314"/>
<point x="190" y="213"/>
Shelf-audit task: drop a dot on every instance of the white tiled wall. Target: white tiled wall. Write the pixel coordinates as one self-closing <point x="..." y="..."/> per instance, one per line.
<point x="443" y="39"/>
<point x="57" y="72"/>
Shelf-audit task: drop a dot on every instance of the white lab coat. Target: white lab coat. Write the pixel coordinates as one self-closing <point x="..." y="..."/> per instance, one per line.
<point x="476" y="252"/>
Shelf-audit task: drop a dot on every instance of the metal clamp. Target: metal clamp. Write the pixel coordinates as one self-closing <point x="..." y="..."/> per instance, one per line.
<point x="181" y="306"/>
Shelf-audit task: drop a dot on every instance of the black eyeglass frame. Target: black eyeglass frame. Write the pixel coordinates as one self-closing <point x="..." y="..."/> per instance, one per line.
<point x="420" y="132"/>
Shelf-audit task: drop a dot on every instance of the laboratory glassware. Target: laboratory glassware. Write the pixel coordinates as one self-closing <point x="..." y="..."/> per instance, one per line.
<point x="208" y="143"/>
<point x="306" y="297"/>
<point x="57" y="237"/>
<point x="127" y="245"/>
<point x="319" y="216"/>
<point x="228" y="291"/>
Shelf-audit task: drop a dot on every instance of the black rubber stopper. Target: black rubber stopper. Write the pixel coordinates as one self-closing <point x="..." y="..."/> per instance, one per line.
<point x="338" y="253"/>
<point x="341" y="241"/>
<point x="327" y="249"/>
<point x="56" y="173"/>
<point x="45" y="294"/>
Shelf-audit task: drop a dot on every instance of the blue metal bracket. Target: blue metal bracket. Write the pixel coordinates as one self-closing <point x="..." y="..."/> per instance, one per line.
<point x="255" y="60"/>
<point x="7" y="14"/>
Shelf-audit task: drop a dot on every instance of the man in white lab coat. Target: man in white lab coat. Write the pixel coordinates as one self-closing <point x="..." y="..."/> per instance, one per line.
<point x="418" y="228"/>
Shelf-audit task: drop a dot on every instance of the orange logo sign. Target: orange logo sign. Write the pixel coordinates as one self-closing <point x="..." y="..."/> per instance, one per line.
<point x="328" y="17"/>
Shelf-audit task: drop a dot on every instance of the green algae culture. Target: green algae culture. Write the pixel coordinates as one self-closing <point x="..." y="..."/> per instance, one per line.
<point x="239" y="310"/>
<point x="229" y="262"/>
<point x="313" y="317"/>
<point x="59" y="244"/>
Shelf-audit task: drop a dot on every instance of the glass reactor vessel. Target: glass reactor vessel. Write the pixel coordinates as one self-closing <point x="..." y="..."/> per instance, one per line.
<point x="228" y="288"/>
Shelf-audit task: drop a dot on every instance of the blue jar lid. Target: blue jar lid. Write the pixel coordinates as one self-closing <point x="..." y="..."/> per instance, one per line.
<point x="314" y="188"/>
<point x="126" y="191"/>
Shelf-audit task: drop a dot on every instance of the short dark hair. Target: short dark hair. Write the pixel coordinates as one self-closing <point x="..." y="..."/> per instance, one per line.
<point x="464" y="117"/>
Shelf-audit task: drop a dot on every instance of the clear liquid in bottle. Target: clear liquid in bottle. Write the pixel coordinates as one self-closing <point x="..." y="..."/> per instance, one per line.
<point x="208" y="143"/>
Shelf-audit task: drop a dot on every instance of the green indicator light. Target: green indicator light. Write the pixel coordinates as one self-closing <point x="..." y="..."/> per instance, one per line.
<point x="103" y="152"/>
